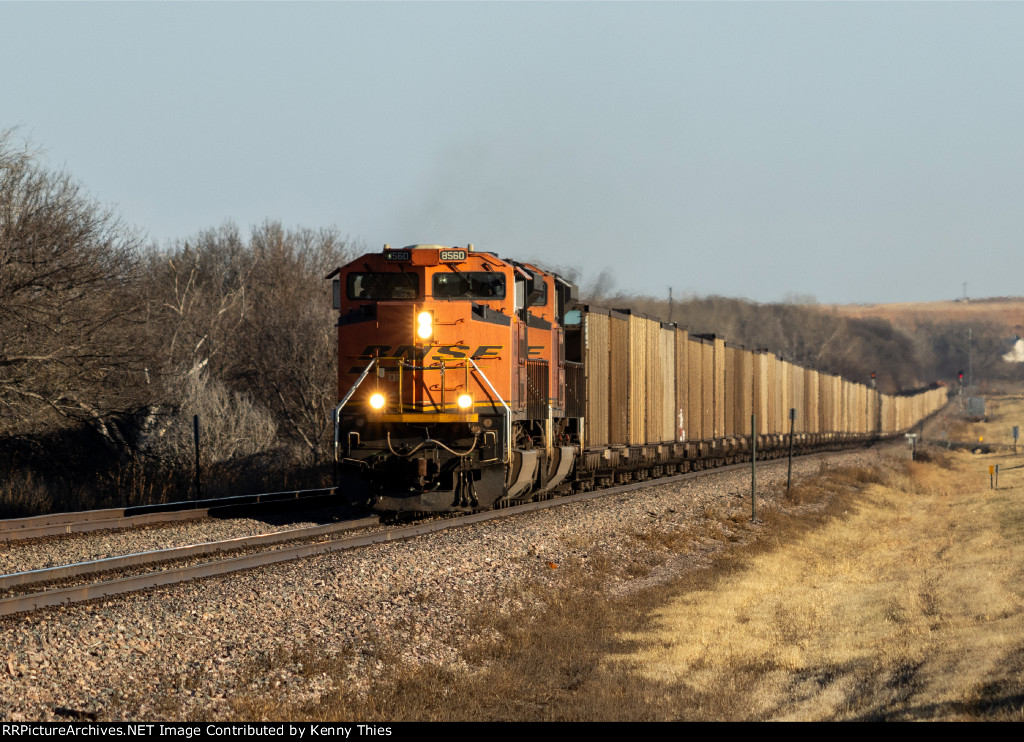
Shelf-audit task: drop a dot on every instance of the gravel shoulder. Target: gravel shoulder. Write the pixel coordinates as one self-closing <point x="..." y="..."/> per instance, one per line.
<point x="182" y="652"/>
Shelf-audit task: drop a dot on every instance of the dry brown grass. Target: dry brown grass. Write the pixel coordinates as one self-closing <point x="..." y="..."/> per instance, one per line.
<point x="888" y="593"/>
<point x="547" y="660"/>
<point x="909" y="608"/>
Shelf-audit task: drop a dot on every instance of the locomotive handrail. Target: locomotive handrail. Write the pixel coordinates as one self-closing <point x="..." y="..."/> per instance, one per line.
<point x="508" y="413"/>
<point x="365" y="373"/>
<point x="343" y="402"/>
<point x="413" y="367"/>
<point x="467" y="452"/>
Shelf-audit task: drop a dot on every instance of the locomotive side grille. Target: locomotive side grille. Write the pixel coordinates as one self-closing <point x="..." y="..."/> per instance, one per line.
<point x="537" y="389"/>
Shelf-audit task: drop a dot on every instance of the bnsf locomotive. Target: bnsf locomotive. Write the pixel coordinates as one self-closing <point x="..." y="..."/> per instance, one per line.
<point x="451" y="379"/>
<point x="467" y="381"/>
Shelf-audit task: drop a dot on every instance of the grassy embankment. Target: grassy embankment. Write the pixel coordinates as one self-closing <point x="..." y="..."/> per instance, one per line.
<point x="898" y="597"/>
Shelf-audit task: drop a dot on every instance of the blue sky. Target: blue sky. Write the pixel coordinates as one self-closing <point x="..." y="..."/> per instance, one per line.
<point x="859" y="152"/>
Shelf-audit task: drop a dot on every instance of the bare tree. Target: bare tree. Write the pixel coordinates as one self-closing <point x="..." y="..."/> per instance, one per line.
<point x="290" y="331"/>
<point x="69" y="311"/>
<point x="256" y="316"/>
<point x="198" y="298"/>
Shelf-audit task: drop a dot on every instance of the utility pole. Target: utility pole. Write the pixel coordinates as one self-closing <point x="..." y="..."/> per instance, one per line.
<point x="970" y="359"/>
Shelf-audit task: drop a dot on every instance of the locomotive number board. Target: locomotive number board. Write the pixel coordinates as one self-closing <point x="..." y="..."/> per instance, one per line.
<point x="451" y="256"/>
<point x="402" y="255"/>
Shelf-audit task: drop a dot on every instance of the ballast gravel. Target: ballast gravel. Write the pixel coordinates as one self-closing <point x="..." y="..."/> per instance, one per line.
<point x="54" y="551"/>
<point x="184" y="652"/>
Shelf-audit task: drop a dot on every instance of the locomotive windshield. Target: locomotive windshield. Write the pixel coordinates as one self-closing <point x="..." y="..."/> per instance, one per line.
<point x="541" y="299"/>
<point x="383" y="285"/>
<point x="469" y="285"/>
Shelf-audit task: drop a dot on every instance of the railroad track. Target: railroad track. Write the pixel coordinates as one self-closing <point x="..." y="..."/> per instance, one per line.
<point x="42" y="526"/>
<point x="74" y="583"/>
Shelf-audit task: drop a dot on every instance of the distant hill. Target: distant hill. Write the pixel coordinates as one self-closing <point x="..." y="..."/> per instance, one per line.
<point x="1005" y="312"/>
<point x="950" y="336"/>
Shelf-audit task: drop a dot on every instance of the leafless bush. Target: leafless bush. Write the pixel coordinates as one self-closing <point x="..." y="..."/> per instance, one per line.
<point x="230" y="425"/>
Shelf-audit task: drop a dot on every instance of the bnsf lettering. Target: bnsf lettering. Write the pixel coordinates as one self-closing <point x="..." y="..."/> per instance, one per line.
<point x="409" y="352"/>
<point x="450" y="351"/>
<point x="487" y="352"/>
<point x="412" y="353"/>
<point x="452" y="255"/>
<point x="372" y="351"/>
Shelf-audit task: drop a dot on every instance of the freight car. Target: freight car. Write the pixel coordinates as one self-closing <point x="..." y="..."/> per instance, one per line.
<point x="467" y="381"/>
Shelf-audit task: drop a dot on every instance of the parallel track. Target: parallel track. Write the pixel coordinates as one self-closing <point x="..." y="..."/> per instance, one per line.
<point x="41" y="526"/>
<point x="74" y="593"/>
<point x="83" y="592"/>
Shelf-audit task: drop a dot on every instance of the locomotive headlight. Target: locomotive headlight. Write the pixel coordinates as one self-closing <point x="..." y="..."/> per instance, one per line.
<point x="377" y="401"/>
<point x="465" y="401"/>
<point x="425" y="325"/>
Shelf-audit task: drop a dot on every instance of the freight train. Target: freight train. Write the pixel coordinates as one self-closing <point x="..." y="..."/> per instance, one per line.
<point x="467" y="381"/>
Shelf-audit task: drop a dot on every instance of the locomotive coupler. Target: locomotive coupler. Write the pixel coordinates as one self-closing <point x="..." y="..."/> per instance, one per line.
<point x="423" y="470"/>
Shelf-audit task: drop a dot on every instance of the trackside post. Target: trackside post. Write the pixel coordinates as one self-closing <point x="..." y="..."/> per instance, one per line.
<point x="753" y="467"/>
<point x="195" y="434"/>
<point x="792" y="422"/>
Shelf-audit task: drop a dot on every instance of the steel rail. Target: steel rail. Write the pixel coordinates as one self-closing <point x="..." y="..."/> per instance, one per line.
<point x="81" y="593"/>
<point x="19" y="529"/>
<point x="109" y="564"/>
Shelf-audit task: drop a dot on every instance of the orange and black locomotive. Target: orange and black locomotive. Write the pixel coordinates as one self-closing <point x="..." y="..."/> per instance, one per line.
<point x="451" y="379"/>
